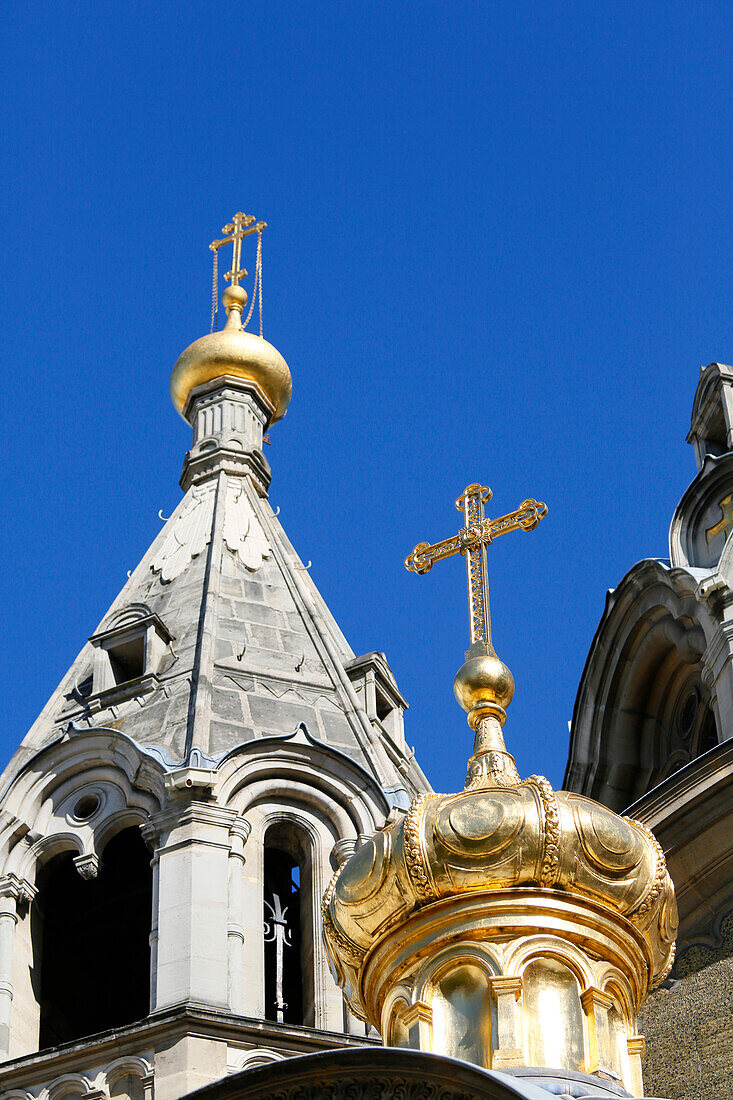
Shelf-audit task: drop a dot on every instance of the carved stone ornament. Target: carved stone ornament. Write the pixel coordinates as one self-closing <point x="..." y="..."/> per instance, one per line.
<point x="190" y="531"/>
<point x="700" y="955"/>
<point x="19" y="889"/>
<point x="87" y="866"/>
<point x="188" y="535"/>
<point x="243" y="533"/>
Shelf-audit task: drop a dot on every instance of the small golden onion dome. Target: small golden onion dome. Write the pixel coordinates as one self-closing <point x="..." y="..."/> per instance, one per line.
<point x="237" y="353"/>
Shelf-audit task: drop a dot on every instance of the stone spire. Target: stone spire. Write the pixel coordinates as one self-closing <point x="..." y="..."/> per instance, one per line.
<point x="508" y="925"/>
<point x="219" y="635"/>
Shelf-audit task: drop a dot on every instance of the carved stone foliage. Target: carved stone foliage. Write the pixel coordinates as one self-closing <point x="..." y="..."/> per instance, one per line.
<point x="190" y="532"/>
<point x="188" y="535"/>
<point x="378" y="1088"/>
<point x="700" y="955"/>
<point x="243" y="533"/>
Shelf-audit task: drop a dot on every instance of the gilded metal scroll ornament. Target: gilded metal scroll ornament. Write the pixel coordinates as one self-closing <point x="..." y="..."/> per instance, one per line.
<point x="413" y="853"/>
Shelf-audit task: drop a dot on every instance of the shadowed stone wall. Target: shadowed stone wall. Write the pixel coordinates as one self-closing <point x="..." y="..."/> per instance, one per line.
<point x="689" y="1028"/>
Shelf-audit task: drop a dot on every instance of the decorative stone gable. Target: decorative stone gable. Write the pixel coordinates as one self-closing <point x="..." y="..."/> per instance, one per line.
<point x="703" y="519"/>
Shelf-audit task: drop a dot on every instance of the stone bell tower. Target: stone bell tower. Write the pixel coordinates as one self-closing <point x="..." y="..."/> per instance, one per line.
<point x="171" y="820"/>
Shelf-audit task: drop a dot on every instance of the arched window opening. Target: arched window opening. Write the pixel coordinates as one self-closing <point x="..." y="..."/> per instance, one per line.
<point x="128" y="1087"/>
<point x="708" y="737"/>
<point x="289" y="940"/>
<point x="462" y="1015"/>
<point x="398" y="1034"/>
<point x="98" y="926"/>
<point x="619" y="1057"/>
<point x="553" y="1016"/>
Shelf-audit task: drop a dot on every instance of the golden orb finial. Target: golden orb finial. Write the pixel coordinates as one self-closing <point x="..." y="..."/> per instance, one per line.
<point x="234" y="299"/>
<point x="484" y="687"/>
<point x="233" y="352"/>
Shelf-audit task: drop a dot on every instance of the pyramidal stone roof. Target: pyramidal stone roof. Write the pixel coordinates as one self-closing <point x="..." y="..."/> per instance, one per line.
<point x="220" y="637"/>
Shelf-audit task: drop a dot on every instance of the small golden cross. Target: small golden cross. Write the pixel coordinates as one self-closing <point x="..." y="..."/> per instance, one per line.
<point x="237" y="229"/>
<point x="471" y="541"/>
<point x="724" y="525"/>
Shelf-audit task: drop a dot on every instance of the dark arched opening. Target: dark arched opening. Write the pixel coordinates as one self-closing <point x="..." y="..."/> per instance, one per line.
<point x="91" y="942"/>
<point x="289" y="986"/>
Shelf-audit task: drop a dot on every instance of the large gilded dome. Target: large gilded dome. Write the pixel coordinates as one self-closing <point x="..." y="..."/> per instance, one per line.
<point x="493" y="840"/>
<point x="236" y="353"/>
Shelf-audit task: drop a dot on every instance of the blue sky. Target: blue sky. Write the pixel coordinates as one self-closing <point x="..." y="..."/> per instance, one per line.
<point x="498" y="250"/>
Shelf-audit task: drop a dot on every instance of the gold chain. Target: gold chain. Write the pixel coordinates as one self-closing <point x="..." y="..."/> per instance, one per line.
<point x="214" y="290"/>
<point x="256" y="290"/>
<point x="257" y="284"/>
<point x="259" y="269"/>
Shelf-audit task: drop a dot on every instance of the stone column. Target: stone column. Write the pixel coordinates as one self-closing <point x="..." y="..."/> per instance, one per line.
<point x="239" y="832"/>
<point x="342" y="850"/>
<point x="14" y="893"/>
<point x="193" y="850"/>
<point x="150" y="838"/>
<point x="717" y="670"/>
<point x="508" y="1051"/>
<point x="727" y="403"/>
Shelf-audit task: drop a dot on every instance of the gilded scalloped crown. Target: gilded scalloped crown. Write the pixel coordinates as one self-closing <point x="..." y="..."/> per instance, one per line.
<point x="504" y="838"/>
<point x="236" y="353"/>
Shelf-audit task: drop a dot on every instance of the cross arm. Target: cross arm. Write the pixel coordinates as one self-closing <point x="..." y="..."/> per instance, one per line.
<point x="424" y="555"/>
<point x="230" y="229"/>
<point x="527" y="516"/>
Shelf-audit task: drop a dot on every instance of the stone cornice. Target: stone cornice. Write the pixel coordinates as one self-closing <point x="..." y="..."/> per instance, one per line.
<point x="681" y="790"/>
<point x="201" y="467"/>
<point x="165" y="1029"/>
<point x="180" y="814"/>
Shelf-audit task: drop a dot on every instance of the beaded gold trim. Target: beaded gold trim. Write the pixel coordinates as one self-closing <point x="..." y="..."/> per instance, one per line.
<point x="551" y="839"/>
<point x="660" y="876"/>
<point x="353" y="953"/>
<point x="413" y="852"/>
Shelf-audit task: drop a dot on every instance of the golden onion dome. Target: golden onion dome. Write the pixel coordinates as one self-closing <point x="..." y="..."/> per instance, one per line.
<point x="508" y="924"/>
<point x="498" y="839"/>
<point x="505" y="861"/>
<point x="235" y="352"/>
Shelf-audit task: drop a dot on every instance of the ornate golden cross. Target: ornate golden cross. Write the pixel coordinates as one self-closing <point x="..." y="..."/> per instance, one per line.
<point x="238" y="228"/>
<point x="471" y="541"/>
<point x="724" y="525"/>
